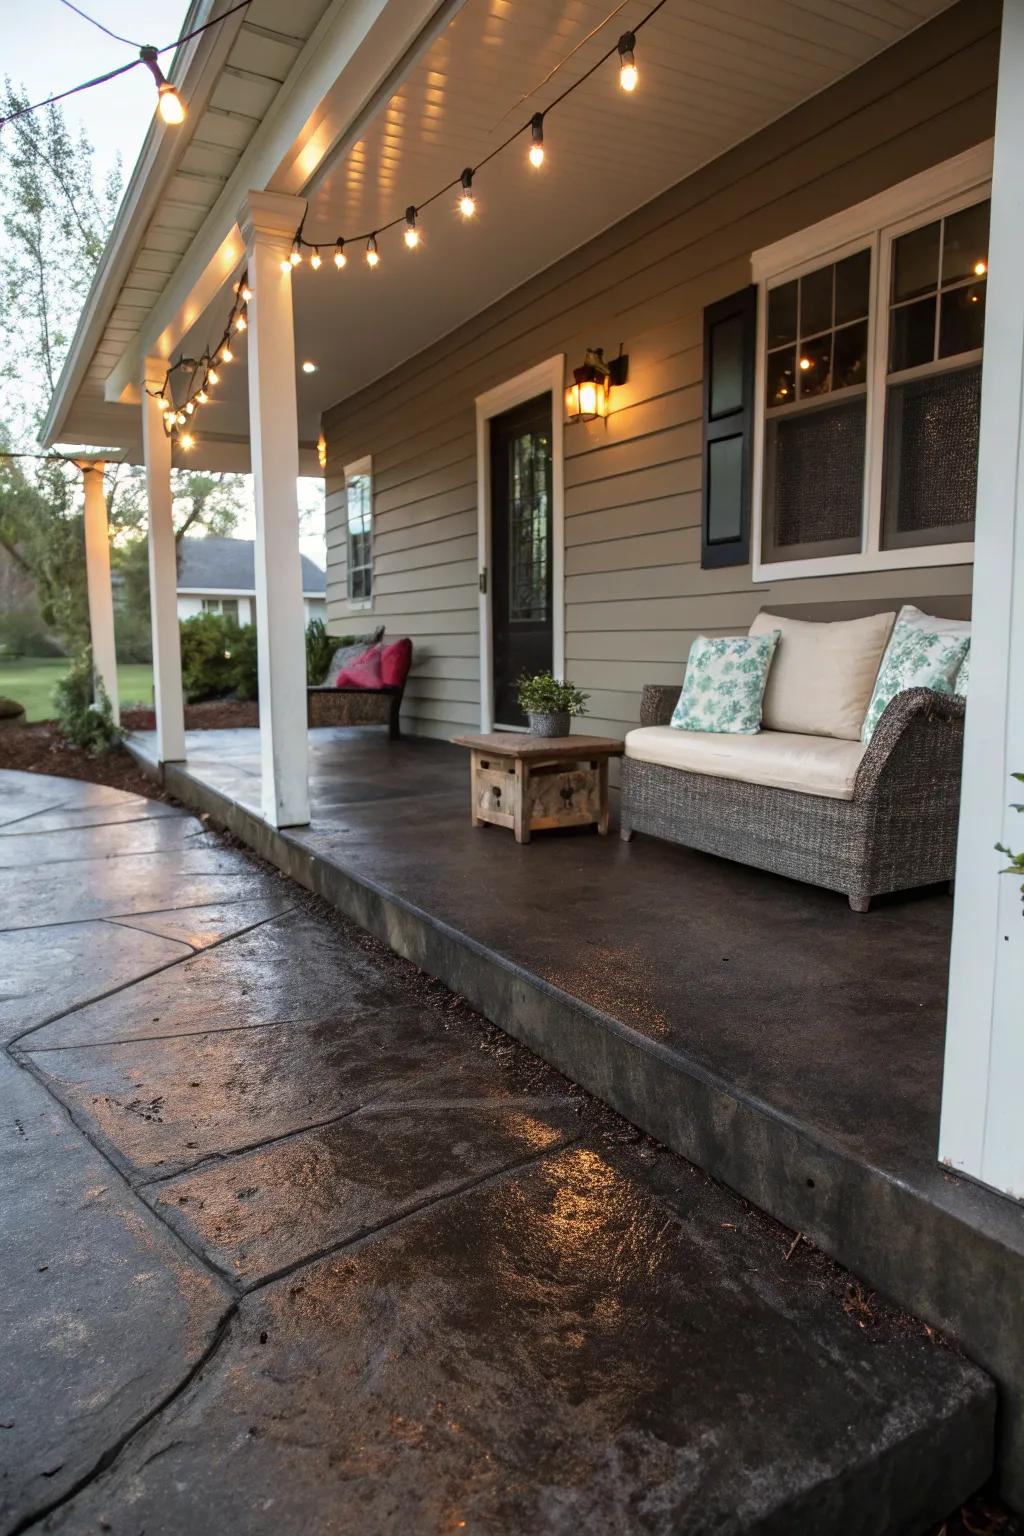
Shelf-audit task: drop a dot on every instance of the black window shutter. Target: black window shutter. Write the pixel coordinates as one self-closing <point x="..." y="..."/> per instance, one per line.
<point x="730" y="341"/>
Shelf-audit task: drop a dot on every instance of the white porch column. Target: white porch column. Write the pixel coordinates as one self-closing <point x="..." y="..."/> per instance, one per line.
<point x="982" y="1131"/>
<point x="163" y="574"/>
<point x="268" y="222"/>
<point x="97" y="578"/>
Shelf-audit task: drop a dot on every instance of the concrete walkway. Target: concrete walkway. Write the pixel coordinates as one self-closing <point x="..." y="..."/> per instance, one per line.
<point x="295" y="1243"/>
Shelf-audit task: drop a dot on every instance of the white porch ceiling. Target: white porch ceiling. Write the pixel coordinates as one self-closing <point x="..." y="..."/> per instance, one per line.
<point x="712" y="72"/>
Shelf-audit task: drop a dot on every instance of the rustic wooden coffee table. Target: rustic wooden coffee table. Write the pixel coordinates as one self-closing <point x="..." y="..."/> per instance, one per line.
<point x="534" y="783"/>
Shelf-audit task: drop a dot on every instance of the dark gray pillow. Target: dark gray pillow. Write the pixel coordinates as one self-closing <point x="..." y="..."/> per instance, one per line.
<point x="354" y="645"/>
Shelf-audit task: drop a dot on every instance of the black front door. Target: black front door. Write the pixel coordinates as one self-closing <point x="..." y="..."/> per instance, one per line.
<point x="521" y="551"/>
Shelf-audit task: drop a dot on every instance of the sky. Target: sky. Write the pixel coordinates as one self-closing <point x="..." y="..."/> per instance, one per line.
<point x="48" y="48"/>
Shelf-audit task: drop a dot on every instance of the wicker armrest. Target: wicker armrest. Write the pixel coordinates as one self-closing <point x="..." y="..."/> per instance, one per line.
<point x="915" y="710"/>
<point x="657" y="702"/>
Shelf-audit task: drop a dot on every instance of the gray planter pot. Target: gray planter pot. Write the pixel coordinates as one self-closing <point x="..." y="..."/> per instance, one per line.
<point x="550" y="725"/>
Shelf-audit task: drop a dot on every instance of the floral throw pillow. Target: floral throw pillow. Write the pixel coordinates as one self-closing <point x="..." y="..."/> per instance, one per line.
<point x="724" y="684"/>
<point x="963" y="677"/>
<point x="915" y="658"/>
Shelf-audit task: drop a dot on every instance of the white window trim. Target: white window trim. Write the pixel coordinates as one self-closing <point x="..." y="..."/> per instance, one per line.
<point x="363" y="466"/>
<point x="941" y="189"/>
<point x="546" y="377"/>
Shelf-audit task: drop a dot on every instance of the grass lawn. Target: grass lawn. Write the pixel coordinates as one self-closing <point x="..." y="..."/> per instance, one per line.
<point x="31" y="681"/>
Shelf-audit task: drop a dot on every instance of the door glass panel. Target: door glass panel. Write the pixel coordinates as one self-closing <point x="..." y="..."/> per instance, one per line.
<point x="529" y="519"/>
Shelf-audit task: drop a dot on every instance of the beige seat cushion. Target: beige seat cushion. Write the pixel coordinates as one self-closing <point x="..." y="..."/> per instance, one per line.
<point x="822" y="676"/>
<point x="815" y="765"/>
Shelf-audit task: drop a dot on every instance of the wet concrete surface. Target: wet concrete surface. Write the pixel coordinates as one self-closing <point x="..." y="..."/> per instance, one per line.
<point x="298" y="1244"/>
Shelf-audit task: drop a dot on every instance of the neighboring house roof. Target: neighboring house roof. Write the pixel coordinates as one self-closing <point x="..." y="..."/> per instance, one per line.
<point x="229" y="565"/>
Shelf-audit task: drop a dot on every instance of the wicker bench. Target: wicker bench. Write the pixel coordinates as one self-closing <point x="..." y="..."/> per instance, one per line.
<point x="327" y="705"/>
<point x="898" y="831"/>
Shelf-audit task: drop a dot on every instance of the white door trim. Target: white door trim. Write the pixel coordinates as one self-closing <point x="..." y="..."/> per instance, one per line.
<point x="546" y="378"/>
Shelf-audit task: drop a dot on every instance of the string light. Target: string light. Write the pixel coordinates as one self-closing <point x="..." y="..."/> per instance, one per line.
<point x="467" y="202"/>
<point x="186" y="441"/>
<point x="537" y="147"/>
<point x="628" y="73"/>
<point x="203" y="368"/>
<point x="169" y="104"/>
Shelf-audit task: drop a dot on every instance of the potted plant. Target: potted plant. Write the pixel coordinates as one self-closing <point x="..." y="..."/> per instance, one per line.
<point x="550" y="704"/>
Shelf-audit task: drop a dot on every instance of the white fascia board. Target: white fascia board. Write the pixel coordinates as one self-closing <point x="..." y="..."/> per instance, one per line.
<point x="196" y="69"/>
<point x="351" y="57"/>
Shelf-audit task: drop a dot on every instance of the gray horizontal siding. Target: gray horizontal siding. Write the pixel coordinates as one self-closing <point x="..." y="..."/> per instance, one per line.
<point x="634" y="592"/>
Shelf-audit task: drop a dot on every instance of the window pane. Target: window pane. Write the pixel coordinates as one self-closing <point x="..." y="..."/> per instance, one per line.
<point x="814" y="478"/>
<point x="965" y="244"/>
<point x="853" y="282"/>
<point x="931" y="458"/>
<point x="915" y="262"/>
<point x="851" y="356"/>
<point x="782" y="314"/>
<point x="912" y="335"/>
<point x="816" y="301"/>
<point x="727" y="366"/>
<point x="780" y="385"/>
<point x="725" y="489"/>
<point x="815" y="367"/>
<point x="962" y="323"/>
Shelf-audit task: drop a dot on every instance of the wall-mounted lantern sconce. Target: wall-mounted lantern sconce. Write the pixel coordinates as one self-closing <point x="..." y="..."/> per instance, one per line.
<point x="589" y="395"/>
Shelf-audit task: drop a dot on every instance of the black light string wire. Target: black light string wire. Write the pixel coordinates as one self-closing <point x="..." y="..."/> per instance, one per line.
<point x="93" y="22"/>
<point x="179" y="416"/>
<point x="300" y="242"/>
<point x="122" y="69"/>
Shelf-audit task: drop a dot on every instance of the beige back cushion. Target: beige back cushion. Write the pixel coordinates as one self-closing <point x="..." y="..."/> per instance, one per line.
<point x="822" y="677"/>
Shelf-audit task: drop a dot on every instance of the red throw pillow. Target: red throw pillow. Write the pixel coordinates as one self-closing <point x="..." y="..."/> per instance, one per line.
<point x="395" y="661"/>
<point x="364" y="672"/>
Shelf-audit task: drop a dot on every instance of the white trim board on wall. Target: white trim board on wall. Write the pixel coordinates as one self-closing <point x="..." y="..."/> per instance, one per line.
<point x="547" y="377"/>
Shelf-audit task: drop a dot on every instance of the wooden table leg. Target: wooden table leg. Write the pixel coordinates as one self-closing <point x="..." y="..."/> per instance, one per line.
<point x="474" y="763"/>
<point x="602" y="787"/>
<point x="520" y="807"/>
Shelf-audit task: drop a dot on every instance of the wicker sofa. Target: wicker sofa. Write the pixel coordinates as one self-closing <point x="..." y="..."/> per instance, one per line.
<point x="327" y="704"/>
<point x="893" y="826"/>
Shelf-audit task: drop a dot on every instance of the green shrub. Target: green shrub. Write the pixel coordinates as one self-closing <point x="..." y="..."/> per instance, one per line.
<point x="209" y="656"/>
<point x="543" y="694"/>
<point x="84" y="712"/>
<point x="243" y="654"/>
<point x="1016" y="864"/>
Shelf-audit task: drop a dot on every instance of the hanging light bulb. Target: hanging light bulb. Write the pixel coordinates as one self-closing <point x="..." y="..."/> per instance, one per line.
<point x="340" y="259"/>
<point x="296" y="252"/>
<point x="213" y="377"/>
<point x="628" y="73"/>
<point x="314" y="260"/>
<point x="412" y="234"/>
<point x="189" y="408"/>
<point x="537" y="147"/>
<point x="202" y="397"/>
<point x="180" y="419"/>
<point x="241" y="322"/>
<point x="286" y="265"/>
<point x="169" y="104"/>
<point x="186" y="441"/>
<point x="467" y="202"/>
<point x="226" y="355"/>
<point x="372" y="253"/>
<point x="170" y="417"/>
<point x="245" y="293"/>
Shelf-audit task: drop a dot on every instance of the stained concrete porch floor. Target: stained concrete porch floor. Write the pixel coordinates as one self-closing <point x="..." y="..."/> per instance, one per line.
<point x="758" y="1026"/>
<point x="293" y="1242"/>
